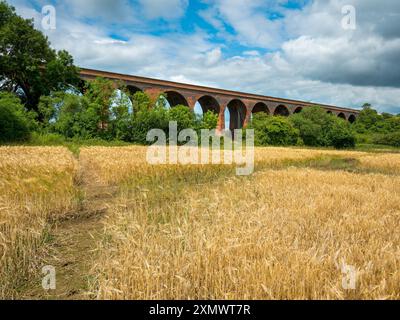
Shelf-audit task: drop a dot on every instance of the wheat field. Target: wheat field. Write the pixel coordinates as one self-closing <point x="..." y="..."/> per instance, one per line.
<point x="201" y="232"/>
<point x="36" y="185"/>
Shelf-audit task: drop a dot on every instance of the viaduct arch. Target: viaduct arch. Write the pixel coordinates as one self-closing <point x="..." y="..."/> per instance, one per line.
<point x="241" y="106"/>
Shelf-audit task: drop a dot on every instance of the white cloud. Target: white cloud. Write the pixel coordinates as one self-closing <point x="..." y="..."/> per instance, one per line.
<point x="166" y="9"/>
<point x="213" y="57"/>
<point x="321" y="49"/>
<point x="247" y="19"/>
<point x="251" y="53"/>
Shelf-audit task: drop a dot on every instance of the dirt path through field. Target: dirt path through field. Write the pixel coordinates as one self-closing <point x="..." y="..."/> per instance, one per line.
<point x="73" y="242"/>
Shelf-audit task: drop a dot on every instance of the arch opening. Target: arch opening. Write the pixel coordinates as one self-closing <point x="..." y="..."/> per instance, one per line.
<point x="329" y="112"/>
<point x="298" y="110"/>
<point x="80" y="88"/>
<point x="132" y="89"/>
<point x="342" y="116"/>
<point x="120" y="103"/>
<point x="209" y="103"/>
<point x="236" y="110"/>
<point x="352" y="118"/>
<point x="76" y="90"/>
<point x="282" y="111"/>
<point x="175" y="98"/>
<point x="260" y="107"/>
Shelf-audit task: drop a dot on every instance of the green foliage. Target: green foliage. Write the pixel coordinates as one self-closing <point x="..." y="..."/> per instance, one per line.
<point x="382" y="129"/>
<point x="77" y="118"/>
<point x="141" y="102"/>
<point x="314" y="126"/>
<point x="363" y="138"/>
<point x="120" y="116"/>
<point x="274" y="131"/>
<point x="101" y="94"/>
<point x="15" y="123"/>
<point x="389" y="139"/>
<point x="209" y="121"/>
<point x="340" y="135"/>
<point x="102" y="112"/>
<point x="369" y="121"/>
<point x="49" y="107"/>
<point x="182" y="114"/>
<point x="145" y="120"/>
<point x="28" y="66"/>
<point x="46" y="139"/>
<point x="320" y="129"/>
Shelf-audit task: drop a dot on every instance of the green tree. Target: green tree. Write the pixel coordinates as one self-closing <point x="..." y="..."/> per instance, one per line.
<point x="273" y="130"/>
<point x="184" y="116"/>
<point x="121" y="116"/>
<point x="78" y="118"/>
<point x="320" y="129"/>
<point x="49" y="108"/>
<point x="389" y="139"/>
<point x="141" y="102"/>
<point x="101" y="93"/>
<point x="146" y="120"/>
<point x="369" y="120"/>
<point x="394" y="123"/>
<point x="208" y="121"/>
<point x="28" y="66"/>
<point x="340" y="135"/>
<point x="15" y="123"/>
<point x="314" y="125"/>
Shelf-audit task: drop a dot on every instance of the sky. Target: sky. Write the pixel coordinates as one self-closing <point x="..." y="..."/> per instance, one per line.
<point x="312" y="50"/>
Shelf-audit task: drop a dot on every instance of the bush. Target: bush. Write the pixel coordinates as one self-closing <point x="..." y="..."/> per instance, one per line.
<point x="320" y="129"/>
<point x="341" y="136"/>
<point x="15" y="123"/>
<point x="363" y="138"/>
<point x="209" y="121"/>
<point x="182" y="114"/>
<point x="370" y="121"/>
<point x="390" y="139"/>
<point x="78" y="118"/>
<point x="274" y="131"/>
<point x="146" y="120"/>
<point x="120" y="118"/>
<point x="46" y="139"/>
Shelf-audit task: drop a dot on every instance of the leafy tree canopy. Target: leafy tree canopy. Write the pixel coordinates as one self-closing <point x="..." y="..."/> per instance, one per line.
<point x="29" y="66"/>
<point x="274" y="130"/>
<point x="320" y="129"/>
<point x="15" y="123"/>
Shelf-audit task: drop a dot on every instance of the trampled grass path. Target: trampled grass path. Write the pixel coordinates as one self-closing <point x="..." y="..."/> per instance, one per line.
<point x="72" y="245"/>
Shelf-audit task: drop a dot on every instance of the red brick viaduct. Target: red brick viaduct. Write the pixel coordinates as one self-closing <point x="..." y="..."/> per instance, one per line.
<point x="240" y="105"/>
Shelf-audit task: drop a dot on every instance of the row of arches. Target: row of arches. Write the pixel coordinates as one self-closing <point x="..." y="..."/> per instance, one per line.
<point x="235" y="112"/>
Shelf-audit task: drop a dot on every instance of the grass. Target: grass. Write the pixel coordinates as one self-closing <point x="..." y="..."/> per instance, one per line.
<point x="201" y="232"/>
